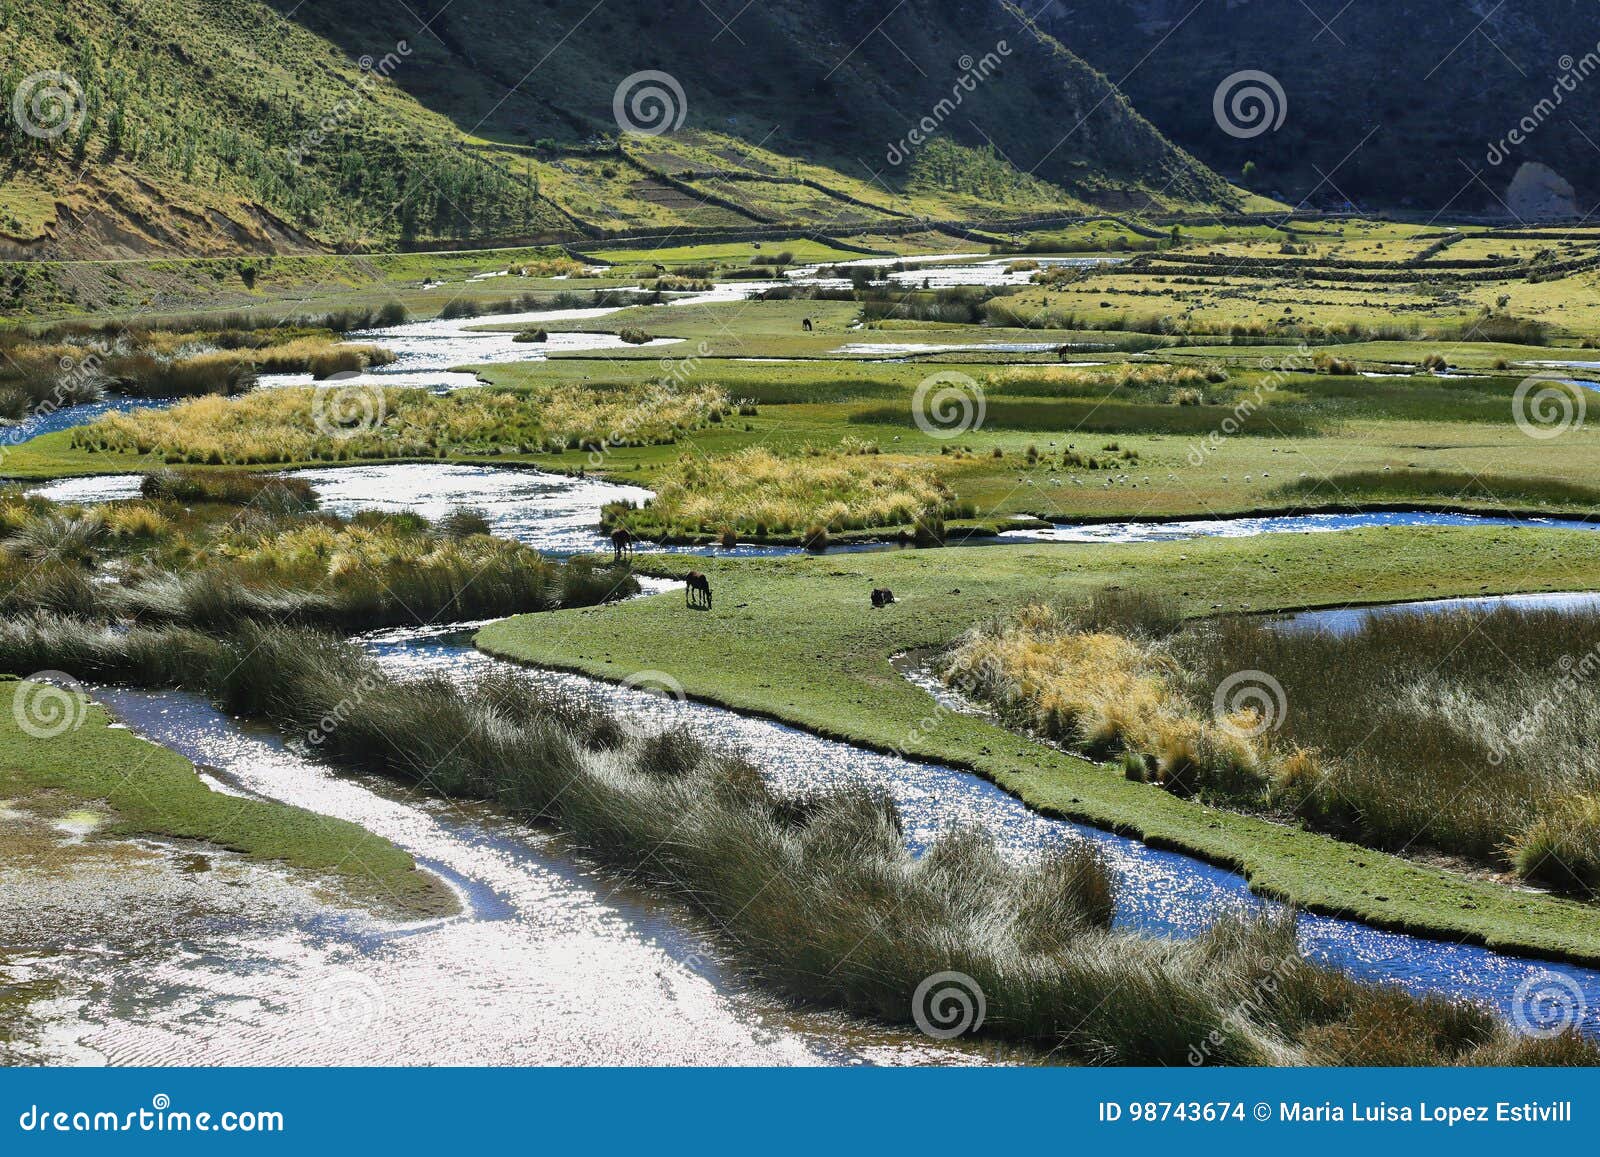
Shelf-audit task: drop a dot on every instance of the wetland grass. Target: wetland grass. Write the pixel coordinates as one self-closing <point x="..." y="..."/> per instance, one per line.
<point x="1466" y="733"/>
<point x="818" y="895"/>
<point x="217" y="549"/>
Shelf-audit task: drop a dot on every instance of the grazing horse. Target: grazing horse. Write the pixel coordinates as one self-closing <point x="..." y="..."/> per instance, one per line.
<point x="621" y="544"/>
<point x="696" y="590"/>
<point x="882" y="597"/>
<point x="805" y="324"/>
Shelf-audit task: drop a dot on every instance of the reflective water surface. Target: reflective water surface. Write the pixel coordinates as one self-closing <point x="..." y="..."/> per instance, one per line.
<point x="550" y="961"/>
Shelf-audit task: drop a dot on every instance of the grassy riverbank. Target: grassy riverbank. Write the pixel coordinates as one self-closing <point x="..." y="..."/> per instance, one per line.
<point x="124" y="785"/>
<point x="1463" y="733"/>
<point x="209" y="549"/>
<point x="796" y="639"/>
<point x="818" y="893"/>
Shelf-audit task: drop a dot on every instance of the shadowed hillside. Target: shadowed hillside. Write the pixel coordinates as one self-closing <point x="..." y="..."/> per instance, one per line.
<point x="204" y="126"/>
<point x="1393" y="103"/>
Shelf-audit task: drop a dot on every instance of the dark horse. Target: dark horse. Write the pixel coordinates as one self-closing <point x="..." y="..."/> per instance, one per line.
<point x="805" y="323"/>
<point x="696" y="590"/>
<point x="621" y="544"/>
<point x="882" y="597"/>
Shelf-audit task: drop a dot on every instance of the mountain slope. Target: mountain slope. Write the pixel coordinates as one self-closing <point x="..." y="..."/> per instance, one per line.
<point x="1402" y="103"/>
<point x="839" y="81"/>
<point x="211" y="126"/>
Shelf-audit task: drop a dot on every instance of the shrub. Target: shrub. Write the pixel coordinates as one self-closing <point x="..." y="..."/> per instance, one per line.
<point x="463" y="522"/>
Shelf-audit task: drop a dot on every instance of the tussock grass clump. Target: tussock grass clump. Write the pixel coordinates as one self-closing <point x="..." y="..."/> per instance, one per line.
<point x="1443" y="485"/>
<point x="266" y="492"/>
<point x="1466" y="733"/>
<point x="281" y="426"/>
<point x="463" y="522"/>
<point x="818" y="895"/>
<point x="147" y="375"/>
<point x="832" y="490"/>
<point x="209" y="564"/>
<point x="1100" y="680"/>
<point x="58" y="535"/>
<point x="1561" y="849"/>
<point x="48" y="376"/>
<point x="169" y="364"/>
<point x="1146" y="382"/>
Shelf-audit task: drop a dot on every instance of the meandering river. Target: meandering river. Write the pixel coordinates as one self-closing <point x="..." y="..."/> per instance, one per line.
<point x="551" y="960"/>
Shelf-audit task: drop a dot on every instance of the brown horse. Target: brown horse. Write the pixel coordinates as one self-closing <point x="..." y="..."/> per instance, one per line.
<point x="622" y="541"/>
<point x="696" y="590"/>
